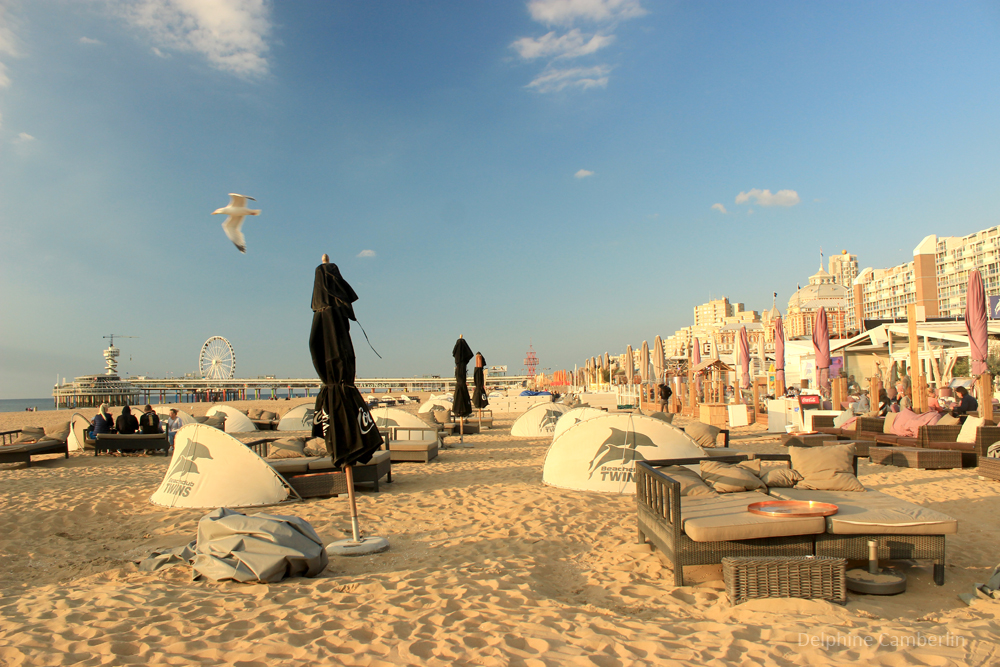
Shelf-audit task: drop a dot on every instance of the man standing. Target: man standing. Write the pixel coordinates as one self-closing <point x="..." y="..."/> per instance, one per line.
<point x="149" y="422"/>
<point x="664" y="393"/>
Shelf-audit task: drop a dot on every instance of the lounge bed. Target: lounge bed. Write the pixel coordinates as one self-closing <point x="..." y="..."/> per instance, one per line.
<point x="412" y="444"/>
<point x="295" y="470"/>
<point x="21" y="452"/>
<point x="135" y="442"/>
<point x="699" y="530"/>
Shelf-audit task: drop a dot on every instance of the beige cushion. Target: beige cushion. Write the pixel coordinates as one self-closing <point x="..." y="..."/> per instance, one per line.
<point x="704" y="434"/>
<point x="843" y="418"/>
<point x="968" y="432"/>
<point x="412" y="445"/>
<point x="948" y="420"/>
<point x="875" y="513"/>
<point x="664" y="416"/>
<point x="59" y="431"/>
<point x="315" y="447"/>
<point x="442" y="416"/>
<point x="217" y="420"/>
<point x="780" y="477"/>
<point x="285" y="466"/>
<point x="324" y="463"/>
<point x="728" y="478"/>
<point x="286" y="448"/>
<point x="828" y="468"/>
<point x="725" y="517"/>
<point x="30" y="434"/>
<point x="890" y="417"/>
<point x="691" y="483"/>
<point x="254" y="413"/>
<point x="267" y="415"/>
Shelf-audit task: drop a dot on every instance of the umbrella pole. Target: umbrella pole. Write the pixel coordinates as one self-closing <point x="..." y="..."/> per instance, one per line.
<point x="349" y="471"/>
<point x="355" y="546"/>
<point x="461" y="430"/>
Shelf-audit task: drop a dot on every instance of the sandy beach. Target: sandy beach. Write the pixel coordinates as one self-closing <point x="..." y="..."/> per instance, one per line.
<point x="487" y="566"/>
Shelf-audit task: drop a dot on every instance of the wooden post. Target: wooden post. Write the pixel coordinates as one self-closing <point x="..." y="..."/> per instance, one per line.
<point x="986" y="396"/>
<point x="918" y="383"/>
<point x="838" y="392"/>
<point x="875" y="386"/>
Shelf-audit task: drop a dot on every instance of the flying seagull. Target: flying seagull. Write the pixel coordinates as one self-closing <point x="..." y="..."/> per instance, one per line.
<point x="236" y="211"/>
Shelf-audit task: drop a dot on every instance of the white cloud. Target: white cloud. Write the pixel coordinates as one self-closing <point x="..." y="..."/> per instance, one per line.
<point x="366" y="253"/>
<point x="88" y="40"/>
<point x="230" y="34"/>
<point x="719" y="207"/>
<point x="571" y="45"/>
<point x="159" y="54"/>
<point x="765" y="198"/>
<point x="8" y="42"/>
<point x="553" y="80"/>
<point x="565" y="12"/>
<point x="583" y="173"/>
<point x="23" y="138"/>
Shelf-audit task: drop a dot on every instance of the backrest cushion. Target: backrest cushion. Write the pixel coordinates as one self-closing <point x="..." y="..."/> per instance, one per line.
<point x="58" y="431"/>
<point x="691" y="483"/>
<point x="727" y="478"/>
<point x="968" y="432"/>
<point x="286" y="448"/>
<point x="948" y="420"/>
<point x="780" y="477"/>
<point x="704" y="434"/>
<point x="890" y="417"/>
<point x="315" y="447"/>
<point x="826" y="468"/>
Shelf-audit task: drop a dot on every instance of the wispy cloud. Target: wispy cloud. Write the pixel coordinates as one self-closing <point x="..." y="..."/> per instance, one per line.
<point x="571" y="45"/>
<point x="583" y="173"/>
<point x="159" y="54"/>
<point x="8" y="42"/>
<point x="565" y="12"/>
<point x="231" y="34"/>
<point x="602" y="15"/>
<point x="765" y="198"/>
<point x="88" y="40"/>
<point x="720" y="208"/>
<point x="23" y="138"/>
<point x="553" y="79"/>
<point x="366" y="253"/>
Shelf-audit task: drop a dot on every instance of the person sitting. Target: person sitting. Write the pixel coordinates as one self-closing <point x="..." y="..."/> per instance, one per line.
<point x="905" y="402"/>
<point x="966" y="403"/>
<point x="884" y="403"/>
<point x="173" y="425"/>
<point x="126" y="424"/>
<point x="932" y="401"/>
<point x="103" y="421"/>
<point x="149" y="422"/>
<point x="862" y="406"/>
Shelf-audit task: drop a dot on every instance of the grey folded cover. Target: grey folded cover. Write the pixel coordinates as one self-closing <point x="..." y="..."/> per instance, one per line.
<point x="263" y="548"/>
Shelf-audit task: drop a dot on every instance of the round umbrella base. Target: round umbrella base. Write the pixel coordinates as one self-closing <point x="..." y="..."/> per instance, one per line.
<point x="367" y="545"/>
<point x="886" y="582"/>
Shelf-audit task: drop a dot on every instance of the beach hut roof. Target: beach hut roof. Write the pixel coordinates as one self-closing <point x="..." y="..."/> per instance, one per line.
<point x="539" y="420"/>
<point x="236" y="421"/>
<point x="211" y="469"/>
<point x="575" y="416"/>
<point x="299" y="418"/>
<point x="395" y="417"/>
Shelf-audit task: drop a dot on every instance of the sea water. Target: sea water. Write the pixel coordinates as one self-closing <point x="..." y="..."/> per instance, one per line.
<point x="21" y="404"/>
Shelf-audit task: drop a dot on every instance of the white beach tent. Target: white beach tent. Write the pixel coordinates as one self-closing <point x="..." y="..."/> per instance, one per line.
<point x="299" y="418"/>
<point x="395" y="417"/>
<point x="575" y="416"/>
<point x="436" y="403"/>
<point x="599" y="454"/>
<point x="210" y="469"/>
<point x="236" y="421"/>
<point x="78" y="426"/>
<point x="539" y="420"/>
<point x="163" y="411"/>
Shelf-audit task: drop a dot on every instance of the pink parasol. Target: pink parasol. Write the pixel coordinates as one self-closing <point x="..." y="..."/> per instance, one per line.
<point x="821" y="345"/>
<point x="695" y="360"/>
<point x="779" y="352"/>
<point x="658" y="358"/>
<point x="744" y="359"/>
<point x="975" y="322"/>
<point x="644" y="362"/>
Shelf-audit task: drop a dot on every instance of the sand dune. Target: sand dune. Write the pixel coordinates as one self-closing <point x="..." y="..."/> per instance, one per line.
<point x="487" y="567"/>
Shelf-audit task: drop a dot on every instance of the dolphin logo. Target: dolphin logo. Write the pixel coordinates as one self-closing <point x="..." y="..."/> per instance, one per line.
<point x="186" y="458"/>
<point x="627" y="452"/>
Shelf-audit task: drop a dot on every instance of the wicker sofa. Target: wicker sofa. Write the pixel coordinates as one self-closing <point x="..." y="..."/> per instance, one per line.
<point x="313" y="476"/>
<point x="702" y="530"/>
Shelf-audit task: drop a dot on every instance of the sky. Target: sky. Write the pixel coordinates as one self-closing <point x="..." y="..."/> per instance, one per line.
<point x="574" y="175"/>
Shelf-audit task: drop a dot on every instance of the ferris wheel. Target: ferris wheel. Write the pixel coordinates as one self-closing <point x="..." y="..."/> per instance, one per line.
<point x="217" y="361"/>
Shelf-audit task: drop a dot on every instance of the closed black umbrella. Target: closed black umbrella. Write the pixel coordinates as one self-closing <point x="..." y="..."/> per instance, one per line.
<point x="461" y="405"/>
<point x="479" y="399"/>
<point x="342" y="417"/>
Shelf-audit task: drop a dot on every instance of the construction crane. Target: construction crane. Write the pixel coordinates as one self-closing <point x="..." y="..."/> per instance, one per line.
<point x="111" y="355"/>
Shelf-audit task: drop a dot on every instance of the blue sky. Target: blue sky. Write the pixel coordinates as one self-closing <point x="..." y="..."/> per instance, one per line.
<point x="517" y="172"/>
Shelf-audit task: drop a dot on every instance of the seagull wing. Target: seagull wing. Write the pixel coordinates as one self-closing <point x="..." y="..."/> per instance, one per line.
<point x="232" y="227"/>
<point x="239" y="201"/>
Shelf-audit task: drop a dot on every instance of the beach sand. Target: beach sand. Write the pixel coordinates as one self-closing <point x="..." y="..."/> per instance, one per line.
<point x="487" y="566"/>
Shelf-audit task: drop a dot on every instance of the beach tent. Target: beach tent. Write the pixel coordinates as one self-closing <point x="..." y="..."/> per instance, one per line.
<point x="210" y="469"/>
<point x="599" y="454"/>
<point x="403" y="398"/>
<point x="539" y="420"/>
<point x="436" y="403"/>
<point x="236" y="421"/>
<point x="395" y="417"/>
<point x="78" y="426"/>
<point x="299" y="418"/>
<point x="575" y="416"/>
<point x="163" y="411"/>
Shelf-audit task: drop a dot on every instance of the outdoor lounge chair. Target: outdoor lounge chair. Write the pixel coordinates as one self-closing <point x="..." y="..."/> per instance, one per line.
<point x="22" y="452"/>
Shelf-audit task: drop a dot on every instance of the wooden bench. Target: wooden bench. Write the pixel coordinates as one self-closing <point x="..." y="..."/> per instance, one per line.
<point x="136" y="442"/>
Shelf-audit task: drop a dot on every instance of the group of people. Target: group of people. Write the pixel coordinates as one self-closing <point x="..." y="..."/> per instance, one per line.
<point x="127" y="424"/>
<point x="902" y="400"/>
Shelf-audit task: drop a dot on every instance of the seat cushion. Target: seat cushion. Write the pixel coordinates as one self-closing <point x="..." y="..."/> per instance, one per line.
<point x="953" y="446"/>
<point x="290" y="465"/>
<point x="412" y="445"/>
<point x="874" y="513"/>
<point x="723" y="518"/>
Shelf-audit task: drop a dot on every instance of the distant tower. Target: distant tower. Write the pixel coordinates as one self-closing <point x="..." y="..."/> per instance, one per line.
<point x="531" y="361"/>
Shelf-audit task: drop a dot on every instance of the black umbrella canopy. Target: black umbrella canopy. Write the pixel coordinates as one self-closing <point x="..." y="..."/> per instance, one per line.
<point x="461" y="405"/>
<point x="479" y="399"/>
<point x="342" y="417"/>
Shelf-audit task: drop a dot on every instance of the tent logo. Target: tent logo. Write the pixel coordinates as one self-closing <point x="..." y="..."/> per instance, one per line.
<point x="624" y="455"/>
<point x="186" y="465"/>
<point x="365" y="420"/>
<point x="321" y="419"/>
